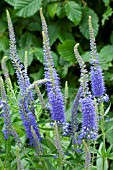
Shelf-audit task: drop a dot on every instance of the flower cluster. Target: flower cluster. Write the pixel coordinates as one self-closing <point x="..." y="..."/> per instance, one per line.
<point x="26" y="107"/>
<point x="8" y="128"/>
<point x="53" y="87"/>
<point x="97" y="81"/>
<point x="89" y="123"/>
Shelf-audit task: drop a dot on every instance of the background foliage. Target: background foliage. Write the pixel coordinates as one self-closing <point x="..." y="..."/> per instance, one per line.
<point x="68" y="24"/>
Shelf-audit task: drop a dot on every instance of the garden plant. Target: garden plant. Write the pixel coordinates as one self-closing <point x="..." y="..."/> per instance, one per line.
<point x="44" y="126"/>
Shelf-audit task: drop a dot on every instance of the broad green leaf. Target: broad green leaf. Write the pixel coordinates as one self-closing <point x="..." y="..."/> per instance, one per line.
<point x="66" y="50"/>
<point x="61" y="11"/>
<point x="27" y="8"/>
<point x="51" y="8"/>
<point x="64" y="35"/>
<point x="11" y="2"/>
<point x="53" y="30"/>
<point x="28" y="39"/>
<point x="107" y="52"/>
<point x="84" y="27"/>
<point x="106" y="2"/>
<point x="73" y="12"/>
<point x="105" y="57"/>
<point x="108" y="12"/>
<point x="86" y="56"/>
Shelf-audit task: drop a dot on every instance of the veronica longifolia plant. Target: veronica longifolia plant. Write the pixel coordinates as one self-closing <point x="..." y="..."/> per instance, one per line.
<point x="53" y="87"/>
<point x="26" y="107"/>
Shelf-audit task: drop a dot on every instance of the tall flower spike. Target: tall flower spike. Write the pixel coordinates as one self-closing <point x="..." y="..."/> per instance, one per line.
<point x="89" y="124"/>
<point x="26" y="107"/>
<point x="84" y="73"/>
<point x="74" y="112"/>
<point x="97" y="81"/>
<point x="8" y="128"/>
<point x="7" y="79"/>
<point x="53" y="88"/>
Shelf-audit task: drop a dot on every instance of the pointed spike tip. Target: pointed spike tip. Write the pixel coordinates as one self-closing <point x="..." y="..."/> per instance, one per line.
<point x="76" y="46"/>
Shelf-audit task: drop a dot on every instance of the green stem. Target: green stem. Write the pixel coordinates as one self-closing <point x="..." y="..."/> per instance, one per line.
<point x="93" y="154"/>
<point x="103" y="131"/>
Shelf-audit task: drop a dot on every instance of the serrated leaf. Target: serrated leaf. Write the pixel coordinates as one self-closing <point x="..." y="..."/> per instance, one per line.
<point x="27" y="8"/>
<point x="11" y="2"/>
<point x="53" y="30"/>
<point x="66" y="50"/>
<point x="73" y="12"/>
<point x="84" y="27"/>
<point x="107" y="52"/>
<point x="51" y="8"/>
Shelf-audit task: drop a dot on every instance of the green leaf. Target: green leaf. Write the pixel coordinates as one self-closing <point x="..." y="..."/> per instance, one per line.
<point x="109" y="136"/>
<point x="108" y="12"/>
<point x="86" y="56"/>
<point x="73" y="12"/>
<point x="84" y="27"/>
<point x="51" y="8"/>
<point x="39" y="54"/>
<point x="66" y="50"/>
<point x="27" y="8"/>
<point x="106" y="2"/>
<point x="28" y="39"/>
<point x="61" y="11"/>
<point x="49" y="144"/>
<point x="106" y="56"/>
<point x="64" y="35"/>
<point x="111" y="156"/>
<point x="53" y="30"/>
<point x="11" y="2"/>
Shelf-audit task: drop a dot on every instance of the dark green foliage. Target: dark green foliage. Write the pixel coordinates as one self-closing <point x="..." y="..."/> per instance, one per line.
<point x="67" y="25"/>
